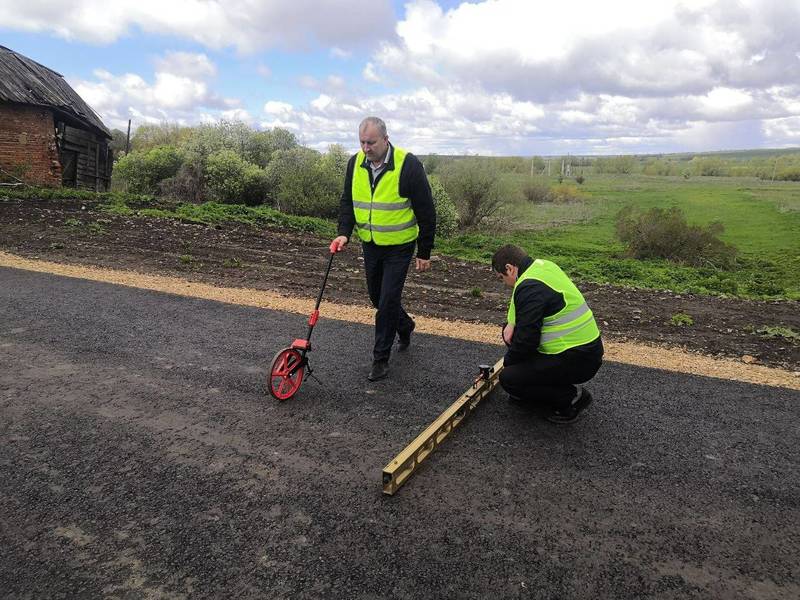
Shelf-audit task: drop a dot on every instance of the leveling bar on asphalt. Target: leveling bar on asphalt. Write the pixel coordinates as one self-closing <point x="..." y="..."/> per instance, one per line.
<point x="404" y="464"/>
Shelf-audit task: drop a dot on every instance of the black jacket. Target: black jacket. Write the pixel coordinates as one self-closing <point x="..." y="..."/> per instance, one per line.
<point x="533" y="301"/>
<point x="413" y="185"/>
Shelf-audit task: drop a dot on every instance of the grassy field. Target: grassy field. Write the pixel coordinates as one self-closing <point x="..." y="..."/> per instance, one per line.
<point x="761" y="219"/>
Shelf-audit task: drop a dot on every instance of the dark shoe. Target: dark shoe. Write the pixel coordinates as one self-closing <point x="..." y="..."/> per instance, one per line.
<point x="380" y="369"/>
<point x="565" y="416"/>
<point x="404" y="339"/>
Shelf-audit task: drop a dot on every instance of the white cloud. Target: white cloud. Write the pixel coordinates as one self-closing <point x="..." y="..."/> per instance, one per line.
<point x="493" y="76"/>
<point x="370" y="74"/>
<point x="243" y="24"/>
<point x="186" y="64"/>
<point x="273" y="107"/>
<point x="181" y="86"/>
<point x="337" y="52"/>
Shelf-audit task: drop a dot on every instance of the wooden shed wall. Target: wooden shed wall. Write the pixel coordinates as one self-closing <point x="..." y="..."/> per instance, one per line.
<point x="92" y="158"/>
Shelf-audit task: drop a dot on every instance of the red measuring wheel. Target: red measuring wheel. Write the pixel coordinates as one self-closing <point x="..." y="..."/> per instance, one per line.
<point x="286" y="374"/>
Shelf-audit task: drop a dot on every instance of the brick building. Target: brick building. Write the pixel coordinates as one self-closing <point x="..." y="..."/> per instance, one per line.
<point x="48" y="135"/>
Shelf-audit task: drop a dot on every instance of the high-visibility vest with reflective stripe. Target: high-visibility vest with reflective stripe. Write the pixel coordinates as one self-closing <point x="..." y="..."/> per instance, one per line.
<point x="573" y="325"/>
<point x="382" y="215"/>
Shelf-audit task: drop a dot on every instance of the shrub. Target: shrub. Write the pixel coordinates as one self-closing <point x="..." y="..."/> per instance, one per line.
<point x="149" y="135"/>
<point x="446" y="212"/>
<point x="656" y="166"/>
<point x="536" y="191"/>
<point x="580" y="179"/>
<point x="233" y="180"/>
<point x="474" y="186"/>
<point x="620" y="165"/>
<point x="563" y="193"/>
<point x="143" y="171"/>
<point x="664" y="233"/>
<point x="790" y="173"/>
<point x="708" y="166"/>
<point x="188" y="184"/>
<point x="262" y="145"/>
<point x="305" y="183"/>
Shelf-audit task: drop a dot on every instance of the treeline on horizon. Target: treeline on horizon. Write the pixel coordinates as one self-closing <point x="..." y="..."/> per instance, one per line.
<point x="778" y="164"/>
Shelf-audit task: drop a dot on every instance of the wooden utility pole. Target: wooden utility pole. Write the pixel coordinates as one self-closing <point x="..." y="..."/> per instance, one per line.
<point x="128" y="139"/>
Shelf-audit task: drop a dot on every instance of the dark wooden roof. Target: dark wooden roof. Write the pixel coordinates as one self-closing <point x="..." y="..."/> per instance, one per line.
<point x="25" y="81"/>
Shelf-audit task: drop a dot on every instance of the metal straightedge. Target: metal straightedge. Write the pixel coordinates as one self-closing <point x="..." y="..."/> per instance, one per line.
<point x="397" y="472"/>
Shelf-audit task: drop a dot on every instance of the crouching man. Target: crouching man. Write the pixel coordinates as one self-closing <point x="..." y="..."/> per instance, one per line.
<point x="553" y="340"/>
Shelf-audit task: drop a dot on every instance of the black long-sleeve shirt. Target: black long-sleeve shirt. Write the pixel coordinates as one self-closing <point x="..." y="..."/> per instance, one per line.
<point x="413" y="185"/>
<point x="533" y="301"/>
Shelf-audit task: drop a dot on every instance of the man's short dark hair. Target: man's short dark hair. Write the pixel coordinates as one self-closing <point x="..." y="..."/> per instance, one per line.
<point x="509" y="255"/>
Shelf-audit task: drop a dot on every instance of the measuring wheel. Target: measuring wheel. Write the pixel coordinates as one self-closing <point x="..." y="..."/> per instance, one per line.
<point x="286" y="374"/>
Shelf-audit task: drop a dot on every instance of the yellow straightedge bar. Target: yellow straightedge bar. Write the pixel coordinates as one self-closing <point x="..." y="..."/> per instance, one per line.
<point x="404" y="464"/>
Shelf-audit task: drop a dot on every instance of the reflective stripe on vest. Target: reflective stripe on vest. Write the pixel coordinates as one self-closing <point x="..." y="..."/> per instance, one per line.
<point x="382" y="215"/>
<point x="573" y="325"/>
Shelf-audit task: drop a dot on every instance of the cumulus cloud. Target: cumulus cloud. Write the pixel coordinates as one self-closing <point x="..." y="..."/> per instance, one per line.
<point x="243" y="24"/>
<point x="179" y="89"/>
<point x="622" y="74"/>
<point x="486" y="76"/>
<point x="537" y="51"/>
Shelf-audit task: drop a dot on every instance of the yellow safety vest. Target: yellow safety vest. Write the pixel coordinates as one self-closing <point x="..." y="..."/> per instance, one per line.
<point x="573" y="325"/>
<point x="382" y="215"/>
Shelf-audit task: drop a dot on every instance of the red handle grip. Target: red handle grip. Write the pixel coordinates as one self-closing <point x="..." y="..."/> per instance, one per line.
<point x="334" y="247"/>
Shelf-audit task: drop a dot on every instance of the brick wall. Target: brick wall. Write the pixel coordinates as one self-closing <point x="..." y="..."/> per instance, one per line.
<point x="28" y="145"/>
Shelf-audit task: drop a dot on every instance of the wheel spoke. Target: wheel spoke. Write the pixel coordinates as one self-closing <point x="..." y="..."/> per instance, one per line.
<point x="286" y="374"/>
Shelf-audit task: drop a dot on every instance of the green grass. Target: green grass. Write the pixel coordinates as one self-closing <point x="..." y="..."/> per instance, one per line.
<point x="211" y="213"/>
<point x="761" y="219"/>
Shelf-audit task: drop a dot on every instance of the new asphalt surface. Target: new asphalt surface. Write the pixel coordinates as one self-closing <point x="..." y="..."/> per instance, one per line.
<point x="142" y="457"/>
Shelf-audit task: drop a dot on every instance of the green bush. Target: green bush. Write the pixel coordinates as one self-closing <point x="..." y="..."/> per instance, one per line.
<point x="536" y="191"/>
<point x="708" y="166"/>
<point x="619" y="165"/>
<point x="664" y="233"/>
<point x="149" y="135"/>
<point x="233" y="180"/>
<point x="474" y="186"/>
<point x="141" y="172"/>
<point x="790" y="173"/>
<point x="656" y="166"/>
<point x="563" y="193"/>
<point x="446" y="212"/>
<point x="188" y="184"/>
<point x="305" y="183"/>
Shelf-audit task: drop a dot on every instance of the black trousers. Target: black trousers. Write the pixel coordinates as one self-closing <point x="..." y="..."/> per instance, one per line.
<point x="386" y="268"/>
<point x="549" y="380"/>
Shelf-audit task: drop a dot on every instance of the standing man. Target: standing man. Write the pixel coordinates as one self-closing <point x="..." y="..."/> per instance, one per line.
<point x="552" y="337"/>
<point x="388" y="200"/>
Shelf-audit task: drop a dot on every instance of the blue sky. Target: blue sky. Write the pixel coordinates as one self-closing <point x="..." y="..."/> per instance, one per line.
<point x="502" y="77"/>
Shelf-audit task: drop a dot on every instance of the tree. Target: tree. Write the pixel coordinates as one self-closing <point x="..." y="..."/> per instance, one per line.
<point x="150" y="135"/>
<point x="118" y="141"/>
<point x="446" y="212"/>
<point x="233" y="180"/>
<point x="474" y="186"/>
<point x="143" y="171"/>
<point x="262" y="145"/>
<point x="303" y="184"/>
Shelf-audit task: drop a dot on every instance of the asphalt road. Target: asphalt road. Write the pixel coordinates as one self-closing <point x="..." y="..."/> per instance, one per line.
<point x="141" y="457"/>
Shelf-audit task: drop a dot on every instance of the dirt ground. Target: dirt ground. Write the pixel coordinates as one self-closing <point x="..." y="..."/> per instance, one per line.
<point x="292" y="263"/>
